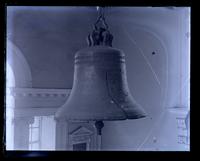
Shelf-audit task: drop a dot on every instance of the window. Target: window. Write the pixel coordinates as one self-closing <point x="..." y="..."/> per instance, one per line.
<point x="183" y="137"/>
<point x="42" y="133"/>
<point x="35" y="134"/>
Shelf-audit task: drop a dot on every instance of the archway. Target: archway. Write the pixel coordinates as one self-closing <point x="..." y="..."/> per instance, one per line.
<point x="18" y="75"/>
<point x="19" y="66"/>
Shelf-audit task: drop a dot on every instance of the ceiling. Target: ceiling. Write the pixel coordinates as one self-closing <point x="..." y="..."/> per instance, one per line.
<point x="52" y="35"/>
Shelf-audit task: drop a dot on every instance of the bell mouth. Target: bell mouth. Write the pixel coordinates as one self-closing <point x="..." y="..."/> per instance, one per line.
<point x="77" y="118"/>
<point x="74" y="118"/>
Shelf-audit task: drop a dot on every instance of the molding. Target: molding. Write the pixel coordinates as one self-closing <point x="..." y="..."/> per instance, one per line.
<point x="178" y="110"/>
<point x="37" y="92"/>
<point x="23" y="120"/>
<point x="31" y="111"/>
<point x="81" y="131"/>
<point x="36" y="101"/>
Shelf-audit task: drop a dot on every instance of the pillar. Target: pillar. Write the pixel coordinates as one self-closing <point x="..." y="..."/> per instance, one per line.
<point x="61" y="134"/>
<point x="21" y="132"/>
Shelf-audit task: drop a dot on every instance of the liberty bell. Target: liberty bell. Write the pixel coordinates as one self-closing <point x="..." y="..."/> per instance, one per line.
<point x="100" y="89"/>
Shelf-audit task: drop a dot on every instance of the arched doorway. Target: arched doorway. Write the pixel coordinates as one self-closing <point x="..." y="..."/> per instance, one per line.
<point x="18" y="75"/>
<point x="26" y="129"/>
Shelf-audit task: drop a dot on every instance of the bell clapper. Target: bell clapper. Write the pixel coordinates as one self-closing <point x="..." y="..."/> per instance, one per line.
<point x="99" y="125"/>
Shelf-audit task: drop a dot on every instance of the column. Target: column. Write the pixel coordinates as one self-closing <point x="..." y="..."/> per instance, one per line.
<point x="61" y="134"/>
<point x="21" y="132"/>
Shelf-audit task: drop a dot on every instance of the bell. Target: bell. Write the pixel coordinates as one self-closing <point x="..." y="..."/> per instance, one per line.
<point x="100" y="89"/>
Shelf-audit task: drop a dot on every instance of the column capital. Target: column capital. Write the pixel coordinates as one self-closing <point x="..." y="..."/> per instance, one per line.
<point x="24" y="119"/>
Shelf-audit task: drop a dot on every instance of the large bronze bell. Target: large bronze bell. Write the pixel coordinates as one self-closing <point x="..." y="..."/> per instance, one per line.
<point x="100" y="89"/>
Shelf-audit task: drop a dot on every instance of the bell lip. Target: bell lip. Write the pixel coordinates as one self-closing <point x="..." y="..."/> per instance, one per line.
<point x="137" y="117"/>
<point x="100" y="119"/>
<point x="64" y="117"/>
